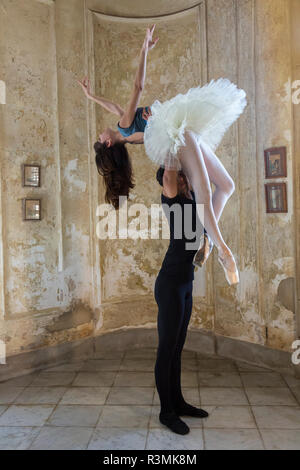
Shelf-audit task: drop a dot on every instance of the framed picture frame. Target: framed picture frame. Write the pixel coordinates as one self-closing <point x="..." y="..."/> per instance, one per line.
<point x="31" y="175"/>
<point x="275" y="162"/>
<point x="32" y="209"/>
<point x="276" y="198"/>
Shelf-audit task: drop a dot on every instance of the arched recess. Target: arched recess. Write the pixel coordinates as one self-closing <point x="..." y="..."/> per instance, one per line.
<point x="140" y="9"/>
<point x="128" y="269"/>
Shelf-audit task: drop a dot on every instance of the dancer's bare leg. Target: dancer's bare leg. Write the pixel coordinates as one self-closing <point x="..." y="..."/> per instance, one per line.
<point x="193" y="165"/>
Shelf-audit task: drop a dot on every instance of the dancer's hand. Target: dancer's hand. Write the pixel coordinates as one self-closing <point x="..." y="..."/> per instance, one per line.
<point x="148" y="42"/>
<point x="146" y="114"/>
<point x="86" y="86"/>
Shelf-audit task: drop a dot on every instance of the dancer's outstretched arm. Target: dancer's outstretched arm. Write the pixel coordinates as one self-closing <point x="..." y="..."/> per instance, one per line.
<point x="114" y="108"/>
<point x="139" y="80"/>
<point x="126" y="115"/>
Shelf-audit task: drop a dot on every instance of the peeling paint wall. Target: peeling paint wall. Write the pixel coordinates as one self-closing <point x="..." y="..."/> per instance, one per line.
<point x="46" y="269"/>
<point x="58" y="281"/>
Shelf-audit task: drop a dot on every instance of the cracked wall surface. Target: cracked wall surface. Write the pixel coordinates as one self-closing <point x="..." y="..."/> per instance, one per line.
<point x="58" y="281"/>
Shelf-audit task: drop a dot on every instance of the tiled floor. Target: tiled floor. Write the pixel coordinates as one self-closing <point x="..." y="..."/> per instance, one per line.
<point x="112" y="403"/>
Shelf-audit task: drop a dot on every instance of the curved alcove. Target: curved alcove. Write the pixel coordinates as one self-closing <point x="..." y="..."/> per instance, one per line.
<point x="142" y="8"/>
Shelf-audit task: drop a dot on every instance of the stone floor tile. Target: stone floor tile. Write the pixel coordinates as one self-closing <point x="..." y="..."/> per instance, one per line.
<point x="31" y="415"/>
<point x="133" y="416"/>
<point x="85" y="396"/>
<point x="94" y="379"/>
<point x="40" y="396"/>
<point x="110" y="438"/>
<point x="17" y="438"/>
<point x="277" y="417"/>
<point x="63" y="438"/>
<point x="71" y="415"/>
<point x="9" y="393"/>
<point x="281" y="439"/>
<point x="134" y="379"/>
<point x="262" y="379"/>
<point x="130" y="396"/>
<point x="68" y="367"/>
<point x="229" y="417"/>
<point x="219" y="379"/>
<point x="232" y="439"/>
<point x="223" y="396"/>
<point x="102" y="365"/>
<point x="270" y="396"/>
<point x="220" y="365"/>
<point x="138" y="364"/>
<point x="163" y="439"/>
<point x="53" y="379"/>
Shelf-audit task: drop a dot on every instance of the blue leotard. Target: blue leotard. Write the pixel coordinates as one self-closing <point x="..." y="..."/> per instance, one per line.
<point x="138" y="124"/>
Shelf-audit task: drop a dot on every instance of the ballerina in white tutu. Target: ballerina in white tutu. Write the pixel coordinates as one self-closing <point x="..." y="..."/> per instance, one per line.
<point x="179" y="134"/>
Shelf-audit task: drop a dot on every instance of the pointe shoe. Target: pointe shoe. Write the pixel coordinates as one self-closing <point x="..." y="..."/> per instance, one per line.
<point x="232" y="277"/>
<point x="206" y="246"/>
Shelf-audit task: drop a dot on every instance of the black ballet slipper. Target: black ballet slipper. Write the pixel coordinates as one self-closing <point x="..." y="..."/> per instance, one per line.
<point x="189" y="410"/>
<point x="173" y="422"/>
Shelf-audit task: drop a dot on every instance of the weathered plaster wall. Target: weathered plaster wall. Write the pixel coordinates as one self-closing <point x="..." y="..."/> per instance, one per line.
<point x="276" y="252"/>
<point x="295" y="43"/>
<point x="58" y="281"/>
<point x="46" y="273"/>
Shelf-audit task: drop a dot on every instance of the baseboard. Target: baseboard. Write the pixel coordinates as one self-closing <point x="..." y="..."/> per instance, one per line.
<point x="197" y="340"/>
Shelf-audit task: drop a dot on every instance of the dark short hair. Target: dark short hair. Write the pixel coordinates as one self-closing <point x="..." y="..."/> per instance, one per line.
<point x="160" y="175"/>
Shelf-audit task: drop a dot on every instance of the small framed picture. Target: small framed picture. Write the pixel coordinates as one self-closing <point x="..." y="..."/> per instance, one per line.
<point x="31" y="209"/>
<point x="276" y="197"/>
<point x="275" y="162"/>
<point x="31" y="175"/>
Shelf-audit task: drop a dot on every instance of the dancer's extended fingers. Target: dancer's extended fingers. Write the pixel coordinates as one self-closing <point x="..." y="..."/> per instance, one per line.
<point x="151" y="31"/>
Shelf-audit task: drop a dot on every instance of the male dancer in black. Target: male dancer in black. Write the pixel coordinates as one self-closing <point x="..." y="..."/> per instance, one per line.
<point x="173" y="294"/>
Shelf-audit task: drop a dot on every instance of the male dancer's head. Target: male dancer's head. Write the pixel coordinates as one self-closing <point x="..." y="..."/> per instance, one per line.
<point x="183" y="184"/>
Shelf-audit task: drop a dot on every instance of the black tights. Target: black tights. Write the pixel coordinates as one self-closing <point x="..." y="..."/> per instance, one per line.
<point x="175" y="307"/>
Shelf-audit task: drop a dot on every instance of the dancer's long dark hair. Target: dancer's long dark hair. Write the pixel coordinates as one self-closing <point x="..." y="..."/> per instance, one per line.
<point x="113" y="163"/>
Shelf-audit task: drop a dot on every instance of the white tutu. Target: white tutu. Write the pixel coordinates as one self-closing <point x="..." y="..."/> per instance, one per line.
<point x="208" y="111"/>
